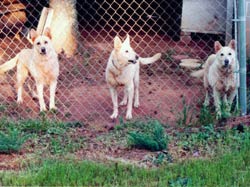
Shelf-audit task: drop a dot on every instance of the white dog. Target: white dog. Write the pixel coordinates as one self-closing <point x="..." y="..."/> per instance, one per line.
<point x="220" y="74"/>
<point x="123" y="70"/>
<point x="41" y="62"/>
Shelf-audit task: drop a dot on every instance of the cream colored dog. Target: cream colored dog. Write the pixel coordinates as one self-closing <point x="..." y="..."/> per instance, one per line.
<point x="221" y="74"/>
<point x="123" y="70"/>
<point x="41" y="62"/>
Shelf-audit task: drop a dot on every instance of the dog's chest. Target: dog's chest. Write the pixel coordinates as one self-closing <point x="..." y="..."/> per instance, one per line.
<point x="226" y="83"/>
<point x="123" y="77"/>
<point x="45" y="71"/>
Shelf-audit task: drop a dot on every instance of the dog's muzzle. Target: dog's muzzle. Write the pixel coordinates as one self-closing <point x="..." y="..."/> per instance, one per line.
<point x="134" y="61"/>
<point x="226" y="63"/>
<point x="43" y="51"/>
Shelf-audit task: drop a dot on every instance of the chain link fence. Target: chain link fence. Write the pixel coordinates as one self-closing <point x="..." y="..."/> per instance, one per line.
<point x="84" y="33"/>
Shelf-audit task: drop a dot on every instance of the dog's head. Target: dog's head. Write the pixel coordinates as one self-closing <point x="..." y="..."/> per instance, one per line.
<point x="41" y="43"/>
<point x="123" y="52"/>
<point x="225" y="55"/>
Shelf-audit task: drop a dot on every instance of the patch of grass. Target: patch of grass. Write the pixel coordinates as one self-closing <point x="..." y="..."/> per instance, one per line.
<point x="49" y="136"/>
<point x="209" y="141"/>
<point x="153" y="138"/>
<point x="12" y="140"/>
<point x="229" y="170"/>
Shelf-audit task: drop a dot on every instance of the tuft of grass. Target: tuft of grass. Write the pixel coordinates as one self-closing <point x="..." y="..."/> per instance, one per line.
<point x="12" y="140"/>
<point x="185" y="117"/>
<point x="206" y="117"/>
<point x="153" y="138"/>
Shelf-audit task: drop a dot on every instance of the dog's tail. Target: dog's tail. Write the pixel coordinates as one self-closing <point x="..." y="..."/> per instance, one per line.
<point x="198" y="74"/>
<point x="8" y="65"/>
<point x="150" y="60"/>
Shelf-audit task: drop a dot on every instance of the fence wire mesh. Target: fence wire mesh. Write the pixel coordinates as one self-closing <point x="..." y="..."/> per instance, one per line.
<point x="84" y="32"/>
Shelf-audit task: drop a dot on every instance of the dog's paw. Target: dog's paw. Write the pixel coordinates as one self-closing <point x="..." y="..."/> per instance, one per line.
<point x="53" y="110"/>
<point x="52" y="107"/>
<point x="123" y="103"/>
<point x="136" y="104"/>
<point x="19" y="101"/>
<point x="43" y="109"/>
<point x="218" y="115"/>
<point x="114" y="115"/>
<point x="129" y="116"/>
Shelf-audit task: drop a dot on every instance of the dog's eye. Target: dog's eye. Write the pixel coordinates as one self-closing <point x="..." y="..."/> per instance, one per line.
<point x="222" y="54"/>
<point x="229" y="54"/>
<point x="126" y="51"/>
<point x="45" y="42"/>
<point x="38" y="43"/>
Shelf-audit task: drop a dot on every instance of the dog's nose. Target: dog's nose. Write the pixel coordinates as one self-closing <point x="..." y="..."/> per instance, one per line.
<point x="43" y="50"/>
<point x="136" y="57"/>
<point x="226" y="62"/>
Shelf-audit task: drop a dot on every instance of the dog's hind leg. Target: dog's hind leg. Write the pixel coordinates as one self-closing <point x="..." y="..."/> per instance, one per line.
<point x="40" y="97"/>
<point x="136" y="82"/>
<point x="22" y="74"/>
<point x="231" y="98"/>
<point x="125" y="98"/>
<point x="52" y="91"/>
<point x="114" y="98"/>
<point x="130" y="90"/>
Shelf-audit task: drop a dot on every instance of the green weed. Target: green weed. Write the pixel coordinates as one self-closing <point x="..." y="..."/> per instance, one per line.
<point x="185" y="117"/>
<point x="152" y="138"/>
<point x="12" y="140"/>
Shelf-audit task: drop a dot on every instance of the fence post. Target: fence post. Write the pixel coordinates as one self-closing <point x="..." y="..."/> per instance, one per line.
<point x="242" y="55"/>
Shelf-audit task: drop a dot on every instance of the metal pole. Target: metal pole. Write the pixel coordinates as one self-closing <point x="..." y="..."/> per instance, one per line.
<point x="242" y="55"/>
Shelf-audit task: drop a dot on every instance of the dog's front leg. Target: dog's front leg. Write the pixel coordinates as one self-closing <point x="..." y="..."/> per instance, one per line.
<point x="231" y="98"/>
<point x="40" y="97"/>
<point x="114" y="98"/>
<point x="52" y="95"/>
<point x="207" y="99"/>
<point x="217" y="103"/>
<point x="130" y="91"/>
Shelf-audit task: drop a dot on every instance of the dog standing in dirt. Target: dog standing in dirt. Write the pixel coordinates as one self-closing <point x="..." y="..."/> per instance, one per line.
<point x="123" y="70"/>
<point x="41" y="62"/>
<point x="221" y="75"/>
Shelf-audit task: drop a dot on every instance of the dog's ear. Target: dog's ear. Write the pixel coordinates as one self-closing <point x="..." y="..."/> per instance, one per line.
<point x="33" y="35"/>
<point x="47" y="32"/>
<point x="117" y="43"/>
<point x="127" y="41"/>
<point x="217" y="46"/>
<point x="232" y="44"/>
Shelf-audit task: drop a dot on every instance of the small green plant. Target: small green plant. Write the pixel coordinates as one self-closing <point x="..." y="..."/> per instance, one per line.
<point x="152" y="138"/>
<point x="12" y="141"/>
<point x="206" y="117"/>
<point x="185" y="117"/>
